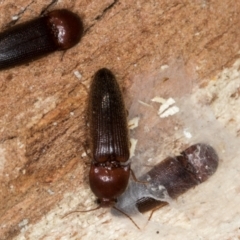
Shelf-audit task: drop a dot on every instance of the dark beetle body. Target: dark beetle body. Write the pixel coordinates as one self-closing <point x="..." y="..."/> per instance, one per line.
<point x="58" y="30"/>
<point x="110" y="169"/>
<point x="178" y="174"/>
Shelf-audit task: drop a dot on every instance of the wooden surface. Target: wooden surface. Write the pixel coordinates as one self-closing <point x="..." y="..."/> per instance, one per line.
<point x="43" y="104"/>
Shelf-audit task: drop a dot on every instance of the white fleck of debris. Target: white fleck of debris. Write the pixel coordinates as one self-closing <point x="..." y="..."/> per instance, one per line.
<point x="153" y="189"/>
<point x="171" y="111"/>
<point x="163" y="67"/>
<point x="148" y="178"/>
<point x="143" y="103"/>
<point x="158" y="100"/>
<point x="71" y="113"/>
<point x="135" y="65"/>
<point x="150" y="159"/>
<point x="15" y="17"/>
<point x="20" y="145"/>
<point x="23" y="223"/>
<point x="166" y="105"/>
<point x="164" y="110"/>
<point x="84" y="154"/>
<point x="187" y="134"/>
<point x="133" y="123"/>
<point x="77" y="74"/>
<point x="24" y="171"/>
<point x="161" y="187"/>
<point x="197" y="68"/>
<point x="133" y="142"/>
<point x="55" y="124"/>
<point x="50" y="191"/>
<point x="118" y="58"/>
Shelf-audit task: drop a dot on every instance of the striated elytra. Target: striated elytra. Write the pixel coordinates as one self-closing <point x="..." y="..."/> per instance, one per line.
<point x="110" y="169"/>
<point x="178" y="174"/>
<point x="57" y="30"/>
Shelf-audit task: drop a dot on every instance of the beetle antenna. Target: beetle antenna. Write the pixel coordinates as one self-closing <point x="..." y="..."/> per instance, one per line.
<point x="126" y="215"/>
<point x="90" y="210"/>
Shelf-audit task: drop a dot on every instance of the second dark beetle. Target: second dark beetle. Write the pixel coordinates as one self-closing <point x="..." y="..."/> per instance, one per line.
<point x="110" y="169"/>
<point x="170" y="178"/>
<point x="178" y="174"/>
<point x="57" y="30"/>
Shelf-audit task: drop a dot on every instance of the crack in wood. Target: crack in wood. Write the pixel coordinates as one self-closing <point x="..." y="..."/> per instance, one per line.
<point x="19" y="14"/>
<point x="105" y="10"/>
<point x="101" y="15"/>
<point x="8" y="138"/>
<point x="48" y="6"/>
